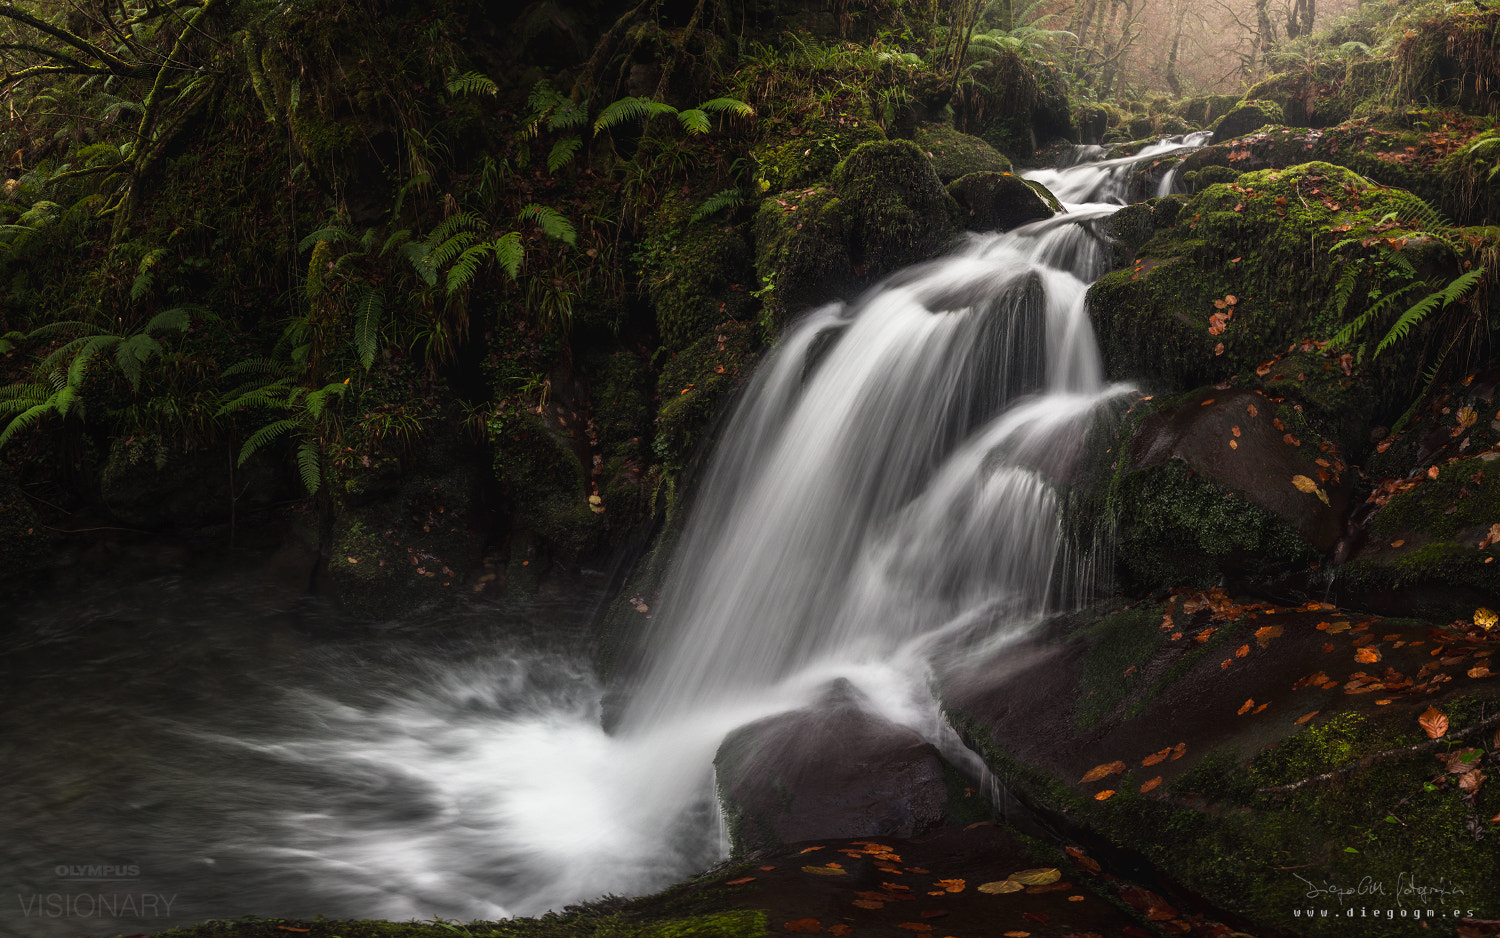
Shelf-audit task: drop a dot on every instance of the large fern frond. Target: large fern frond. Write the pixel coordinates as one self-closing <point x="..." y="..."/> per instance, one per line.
<point x="466" y="266"/>
<point x="261" y="437"/>
<point x="562" y="152"/>
<point x="693" y="121"/>
<point x="472" y="83"/>
<point x="553" y="223"/>
<point x="367" y="324"/>
<point x="24" y="420"/>
<point x="510" y="253"/>
<point x="1436" y="300"/>
<point x="310" y="463"/>
<point x="733" y="106"/>
<point x="726" y="198"/>
<point x="629" y="109"/>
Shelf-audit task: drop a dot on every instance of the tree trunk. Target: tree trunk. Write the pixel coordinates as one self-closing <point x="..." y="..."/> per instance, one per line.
<point x="1173" y="81"/>
<point x="1262" y="30"/>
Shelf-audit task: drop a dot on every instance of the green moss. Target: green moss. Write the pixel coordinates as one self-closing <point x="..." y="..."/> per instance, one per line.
<point x="1119" y="645"/>
<point x="955" y="154"/>
<point x="898" y="211"/>
<point x="1424" y="508"/>
<point x="807" y="154"/>
<point x="694" y="385"/>
<point x="543" y="480"/>
<point x="1248" y="116"/>
<point x="587" y="922"/>
<point x="1178" y="529"/>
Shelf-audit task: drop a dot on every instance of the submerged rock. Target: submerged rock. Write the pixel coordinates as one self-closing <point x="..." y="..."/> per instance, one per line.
<point x="832" y="769"/>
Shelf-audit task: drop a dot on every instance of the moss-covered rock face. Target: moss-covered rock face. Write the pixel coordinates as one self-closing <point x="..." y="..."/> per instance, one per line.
<point x="1203" y="110"/>
<point x="544" y="480"/>
<point x="884" y="208"/>
<point x="1199" y="731"/>
<point x="997" y="201"/>
<point x="698" y="273"/>
<point x="955" y="154"/>
<point x="1246" y="117"/>
<point x="1279" y="243"/>
<point x="1326" y="93"/>
<point x="695" y="385"/>
<point x="389" y="557"/>
<point x="807" y="154"/>
<point x="1206" y="488"/>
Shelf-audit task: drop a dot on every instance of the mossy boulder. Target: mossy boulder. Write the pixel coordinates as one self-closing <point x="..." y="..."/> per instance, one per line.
<point x="883" y="209"/>
<point x="1278" y="243"/>
<point x="805" y="155"/>
<point x="995" y="201"/>
<point x="1326" y="93"/>
<point x="698" y="272"/>
<point x="1268" y="148"/>
<point x="831" y="769"/>
<point x="1225" y="740"/>
<point x="1206" y="487"/>
<point x="1204" y="109"/>
<point x="954" y="154"/>
<point x="1247" y="116"/>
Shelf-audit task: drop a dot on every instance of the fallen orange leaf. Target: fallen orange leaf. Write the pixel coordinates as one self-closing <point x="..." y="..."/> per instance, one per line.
<point x="1305" y="717"/>
<point x="1105" y="795"/>
<point x="1265" y="633"/>
<point x="951" y="885"/>
<point x="1250" y="409"/>
<point x="1242" y="651"/>
<point x="1434" y="722"/>
<point x="1178" y="751"/>
<point x="804" y="924"/>
<point x="1367" y="655"/>
<point x="1158" y="756"/>
<point x="1147" y="786"/>
<point x="739" y="882"/>
<point x="1102" y="771"/>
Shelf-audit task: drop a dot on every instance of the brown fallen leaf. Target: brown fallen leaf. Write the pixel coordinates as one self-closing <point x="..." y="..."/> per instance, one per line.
<point x="1082" y="860"/>
<point x="1017" y="934"/>
<point x="739" y="882"/>
<point x="1102" y="771"/>
<point x="1251" y="410"/>
<point x="1481" y="671"/>
<point x="1432" y="472"/>
<point x="1242" y="651"/>
<point x="823" y="870"/>
<point x="1434" y="722"/>
<point x="1470" y="781"/>
<point x="1158" y="756"/>
<point x="1305" y="717"/>
<point x="1105" y="795"/>
<point x="1246" y="707"/>
<point x="1178" y="751"/>
<point x="1149" y="785"/>
<point x="1367" y="655"/>
<point x="950" y="885"/>
<point x="1265" y="633"/>
<point x="803" y="925"/>
<point x="1219" y="349"/>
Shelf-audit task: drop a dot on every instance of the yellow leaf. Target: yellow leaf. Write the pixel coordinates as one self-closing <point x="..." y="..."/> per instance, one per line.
<point x="1045" y="876"/>
<point x="1466" y="417"/>
<point x="999" y="887"/>
<point x="1304" y="484"/>
<point x="1485" y="618"/>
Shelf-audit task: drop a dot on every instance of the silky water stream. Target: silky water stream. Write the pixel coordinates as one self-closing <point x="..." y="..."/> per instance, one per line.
<point x="174" y="750"/>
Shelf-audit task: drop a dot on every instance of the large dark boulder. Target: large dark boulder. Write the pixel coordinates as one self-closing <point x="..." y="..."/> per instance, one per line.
<point x="1001" y="201"/>
<point x="832" y="769"/>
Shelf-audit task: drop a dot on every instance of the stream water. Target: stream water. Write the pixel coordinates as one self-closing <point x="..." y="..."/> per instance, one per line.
<point x="177" y="748"/>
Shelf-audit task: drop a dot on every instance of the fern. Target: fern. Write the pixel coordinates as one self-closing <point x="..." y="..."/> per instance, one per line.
<point x="329" y="233"/>
<point x="510" y="253"/>
<point x="466" y="266"/>
<point x="727" y="198"/>
<point x="471" y="83"/>
<point x="449" y="251"/>
<point x="562" y="153"/>
<point x="132" y="353"/>
<point x="552" y="222"/>
<point x="737" y="108"/>
<point x="1436" y="300"/>
<point x="310" y="464"/>
<point x="144" y="276"/>
<point x="630" y="109"/>
<point x="367" y="325"/>
<point x="261" y="437"/>
<point x="1352" y="328"/>
<point x="693" y="121"/>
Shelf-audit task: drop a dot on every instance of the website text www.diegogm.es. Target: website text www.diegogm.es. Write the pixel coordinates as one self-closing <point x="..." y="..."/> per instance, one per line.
<point x="96" y="891"/>
<point x="1372" y="899"/>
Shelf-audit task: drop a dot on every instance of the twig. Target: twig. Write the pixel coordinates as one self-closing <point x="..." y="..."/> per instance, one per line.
<point x="1379" y="757"/>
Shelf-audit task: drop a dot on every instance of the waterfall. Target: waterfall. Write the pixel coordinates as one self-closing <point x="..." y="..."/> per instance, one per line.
<point x="886" y="492"/>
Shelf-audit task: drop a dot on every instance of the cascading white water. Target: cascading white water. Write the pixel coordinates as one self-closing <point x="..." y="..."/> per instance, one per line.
<point x="888" y="480"/>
